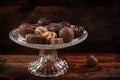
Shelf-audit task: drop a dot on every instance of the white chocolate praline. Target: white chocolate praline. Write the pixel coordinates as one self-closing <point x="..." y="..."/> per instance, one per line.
<point x="49" y="35"/>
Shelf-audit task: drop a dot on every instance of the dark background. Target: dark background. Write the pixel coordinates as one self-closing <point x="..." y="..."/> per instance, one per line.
<point x="101" y="18"/>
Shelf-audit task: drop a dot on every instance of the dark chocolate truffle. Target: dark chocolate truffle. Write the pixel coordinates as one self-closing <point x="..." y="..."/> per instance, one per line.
<point x="78" y="30"/>
<point x="92" y="61"/>
<point x="54" y="27"/>
<point x="25" y="28"/>
<point x="67" y="34"/>
<point x="34" y="38"/>
<point x="65" y="24"/>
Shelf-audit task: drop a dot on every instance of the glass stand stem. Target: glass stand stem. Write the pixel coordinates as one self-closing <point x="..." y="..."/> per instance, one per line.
<point x="48" y="64"/>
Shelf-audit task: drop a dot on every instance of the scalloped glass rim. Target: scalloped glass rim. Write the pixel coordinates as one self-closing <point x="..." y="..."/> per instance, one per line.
<point x="17" y="38"/>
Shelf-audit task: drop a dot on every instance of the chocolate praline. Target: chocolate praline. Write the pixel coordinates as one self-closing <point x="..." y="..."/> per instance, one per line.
<point x="43" y="21"/>
<point x="40" y="30"/>
<point x="78" y="30"/>
<point x="54" y="27"/>
<point x="25" y="28"/>
<point x="65" y="24"/>
<point x="67" y="34"/>
<point x="34" y="38"/>
<point x="56" y="41"/>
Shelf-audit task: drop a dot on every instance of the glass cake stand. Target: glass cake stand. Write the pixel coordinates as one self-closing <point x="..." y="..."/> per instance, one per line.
<point x="48" y="63"/>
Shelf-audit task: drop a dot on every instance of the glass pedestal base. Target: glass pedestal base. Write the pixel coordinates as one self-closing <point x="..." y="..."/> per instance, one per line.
<point x="48" y="64"/>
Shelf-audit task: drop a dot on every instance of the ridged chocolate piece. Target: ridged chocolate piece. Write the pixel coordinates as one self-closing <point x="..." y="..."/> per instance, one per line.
<point x="57" y="41"/>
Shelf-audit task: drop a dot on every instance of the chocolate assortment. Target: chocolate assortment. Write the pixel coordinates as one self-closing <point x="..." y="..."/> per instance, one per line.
<point x="45" y="32"/>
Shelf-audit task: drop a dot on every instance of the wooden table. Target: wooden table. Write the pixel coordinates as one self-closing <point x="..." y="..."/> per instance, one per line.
<point x="108" y="67"/>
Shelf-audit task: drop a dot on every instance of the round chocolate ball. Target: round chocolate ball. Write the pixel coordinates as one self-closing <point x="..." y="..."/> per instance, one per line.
<point x="67" y="34"/>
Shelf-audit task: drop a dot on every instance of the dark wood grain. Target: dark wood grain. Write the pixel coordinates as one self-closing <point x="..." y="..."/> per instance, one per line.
<point x="108" y="67"/>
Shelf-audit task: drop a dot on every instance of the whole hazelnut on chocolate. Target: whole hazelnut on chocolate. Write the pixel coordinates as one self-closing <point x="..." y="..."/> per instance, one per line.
<point x="25" y="28"/>
<point x="67" y="34"/>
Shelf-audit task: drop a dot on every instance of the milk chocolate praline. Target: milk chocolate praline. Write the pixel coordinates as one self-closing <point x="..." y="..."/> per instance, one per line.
<point x="67" y="34"/>
<point x="56" y="41"/>
<point x="34" y="38"/>
<point x="25" y="28"/>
